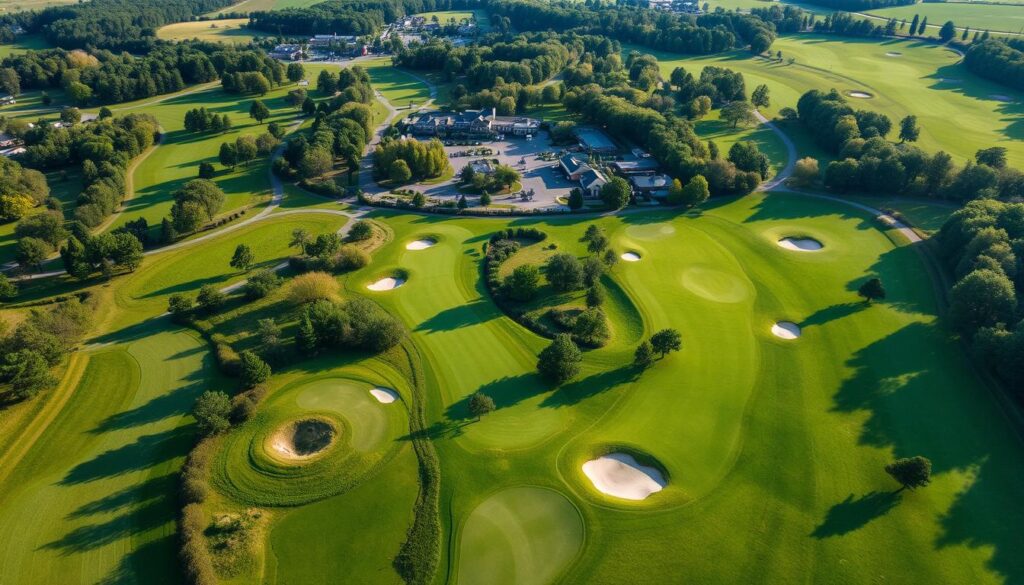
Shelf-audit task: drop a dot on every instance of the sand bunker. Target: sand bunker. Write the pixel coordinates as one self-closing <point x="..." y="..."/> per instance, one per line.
<point x="860" y="94"/>
<point x="388" y="283"/>
<point x="786" y="330"/>
<point x="631" y="257"/>
<point x="619" y="475"/>
<point x="420" y="244"/>
<point x="384" y="395"/>
<point x="303" y="439"/>
<point x="801" y="244"/>
<point x="894" y="54"/>
<point x="1000" y="97"/>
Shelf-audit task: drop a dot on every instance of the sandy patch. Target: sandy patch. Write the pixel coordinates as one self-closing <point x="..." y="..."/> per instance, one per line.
<point x="631" y="257"/>
<point x="1000" y="97"/>
<point x="893" y="54"/>
<point x="801" y="244"/>
<point x="860" y="95"/>
<point x="388" y="283"/>
<point x="420" y="244"/>
<point x="384" y="395"/>
<point x="786" y="330"/>
<point x="619" y="475"/>
<point x="302" y="439"/>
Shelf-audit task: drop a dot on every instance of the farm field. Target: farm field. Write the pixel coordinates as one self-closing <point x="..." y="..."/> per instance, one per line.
<point x="977" y="16"/>
<point x="228" y="30"/>
<point x="964" y="113"/>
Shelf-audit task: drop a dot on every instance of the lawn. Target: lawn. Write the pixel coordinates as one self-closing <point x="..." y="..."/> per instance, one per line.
<point x="724" y="136"/>
<point x="24" y="43"/>
<point x="957" y="111"/>
<point x="228" y="30"/>
<point x="445" y="16"/>
<point x="258" y="5"/>
<point x="398" y="87"/>
<point x="773" y="449"/>
<point x="977" y="16"/>
<point x="8" y="6"/>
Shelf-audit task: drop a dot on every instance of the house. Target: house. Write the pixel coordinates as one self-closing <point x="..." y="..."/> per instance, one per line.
<point x="287" y="52"/>
<point x="591" y="183"/>
<point x="573" y="167"/>
<point x="470" y="123"/>
<point x="629" y="168"/>
<point x="594" y="140"/>
<point x="651" y="185"/>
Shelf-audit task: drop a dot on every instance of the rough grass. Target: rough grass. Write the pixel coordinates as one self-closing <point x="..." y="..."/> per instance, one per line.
<point x="228" y="30"/>
<point x="977" y="16"/>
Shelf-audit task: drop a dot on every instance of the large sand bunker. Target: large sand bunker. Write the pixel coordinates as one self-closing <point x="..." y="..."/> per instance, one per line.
<point x="786" y="330"/>
<point x="801" y="244"/>
<point x="388" y="283"/>
<point x="303" y="439"/>
<point x="860" y="95"/>
<point x="619" y="475"/>
<point x="384" y="395"/>
<point x="422" y="244"/>
<point x="631" y="257"/>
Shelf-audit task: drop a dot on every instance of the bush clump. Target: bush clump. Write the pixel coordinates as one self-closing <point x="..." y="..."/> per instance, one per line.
<point x="313" y="286"/>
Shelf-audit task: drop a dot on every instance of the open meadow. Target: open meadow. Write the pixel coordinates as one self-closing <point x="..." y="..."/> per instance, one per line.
<point x="227" y="30"/>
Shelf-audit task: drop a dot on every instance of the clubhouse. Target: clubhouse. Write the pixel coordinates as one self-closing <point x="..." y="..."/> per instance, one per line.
<point x="482" y="123"/>
<point x="590" y="179"/>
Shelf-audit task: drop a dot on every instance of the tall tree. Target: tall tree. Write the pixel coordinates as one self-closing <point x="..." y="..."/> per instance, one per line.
<point x="909" y="131"/>
<point x="872" y="290"/>
<point x="666" y="340"/>
<point x="242" y="258"/>
<point x="911" y="472"/>
<point x="480" y="404"/>
<point x="258" y="111"/>
<point x="560" y="361"/>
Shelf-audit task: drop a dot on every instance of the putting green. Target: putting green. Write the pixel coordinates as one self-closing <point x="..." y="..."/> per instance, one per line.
<point x="519" y="536"/>
<point x="368" y="418"/>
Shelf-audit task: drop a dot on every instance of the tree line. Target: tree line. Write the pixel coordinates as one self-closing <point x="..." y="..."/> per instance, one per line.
<point x="860" y="5"/>
<point x="655" y="29"/>
<point x="869" y="162"/>
<point x="998" y="60"/>
<point x="346" y="17"/>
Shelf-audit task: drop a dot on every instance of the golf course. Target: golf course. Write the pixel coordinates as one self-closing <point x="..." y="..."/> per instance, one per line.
<point x="507" y="306"/>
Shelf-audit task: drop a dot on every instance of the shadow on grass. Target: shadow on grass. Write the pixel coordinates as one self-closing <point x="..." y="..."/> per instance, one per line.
<point x="854" y="513"/>
<point x="833" y="313"/>
<point x="474" y="313"/>
<point x="145" y="452"/>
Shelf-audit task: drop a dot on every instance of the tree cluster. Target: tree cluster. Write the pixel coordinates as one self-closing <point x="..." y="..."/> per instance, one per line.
<point x="203" y="120"/>
<point x="195" y="204"/>
<point x="357" y="323"/>
<point x="998" y="60"/>
<point x="425" y="160"/>
<point x="345" y="17"/>
<point x="21" y="189"/>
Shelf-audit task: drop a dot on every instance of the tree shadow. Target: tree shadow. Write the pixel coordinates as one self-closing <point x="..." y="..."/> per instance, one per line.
<point x="474" y="313"/>
<point x="155" y="563"/>
<point x="444" y="429"/>
<point x="575" y="392"/>
<point x="506" y="392"/>
<point x="854" y="513"/>
<point x="145" y="452"/>
<point x="148" y="516"/>
<point x="173" y="403"/>
<point x="833" y="313"/>
<point x="778" y="206"/>
<point x="156" y="487"/>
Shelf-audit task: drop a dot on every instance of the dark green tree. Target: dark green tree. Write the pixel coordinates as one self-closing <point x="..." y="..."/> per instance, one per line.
<point x="643" y="357"/>
<point x="560" y="361"/>
<point x="212" y="412"/>
<point x="872" y="290"/>
<point x="911" y="472"/>
<point x="253" y="369"/>
<point x="243" y="257"/>
<point x="480" y="404"/>
<point x="666" y="340"/>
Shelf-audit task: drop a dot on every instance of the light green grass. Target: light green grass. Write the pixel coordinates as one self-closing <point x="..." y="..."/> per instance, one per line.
<point x="523" y="535"/>
<point x="10" y="6"/>
<point x="397" y="86"/>
<point x="977" y="16"/>
<point x="264" y="5"/>
<point x="23" y="44"/>
<point x="956" y="110"/>
<point x="711" y="127"/>
<point x="229" y="30"/>
<point x="483" y="21"/>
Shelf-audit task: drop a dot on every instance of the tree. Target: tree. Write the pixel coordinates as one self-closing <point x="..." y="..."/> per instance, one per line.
<point x="300" y="239"/>
<point x="560" y="361"/>
<point x="615" y="193"/>
<point x="70" y="116"/>
<point x="575" y="198"/>
<point x="806" y="172"/>
<point x="243" y="258"/>
<point x="994" y="157"/>
<point x="947" y="32"/>
<point x="306" y="338"/>
<point x="245" y="149"/>
<point x="598" y="243"/>
<point x="564" y="272"/>
<point x="212" y="412"/>
<point x="228" y="157"/>
<point x="27" y="372"/>
<point x="872" y="290"/>
<point x="485" y="199"/>
<point x="462" y="204"/>
<point x="666" y="340"/>
<point x="399" y="171"/>
<point x="505" y="176"/>
<point x="316" y="163"/>
<point x="480" y="404"/>
<point x="105" y="113"/>
<point x="695" y="192"/>
<point x="210" y="299"/>
<point x="644" y="355"/>
<point x="32" y="252"/>
<point x="206" y="170"/>
<point x="739" y="113"/>
<point x="295" y="72"/>
<point x="911" y="472"/>
<point x="760" y="98"/>
<point x="913" y="25"/>
<point x="9" y="81"/>
<point x="467" y="174"/>
<point x="276" y="130"/>
<point x="983" y="298"/>
<point x="8" y="290"/>
<point x="700" y="106"/>
<point x="253" y="369"/>
<point x="260" y="284"/>
<point x="909" y="130"/>
<point x="595" y="298"/>
<point x="361" y="230"/>
<point x="419" y="200"/>
<point x="922" y="29"/>
<point x="308" y="107"/>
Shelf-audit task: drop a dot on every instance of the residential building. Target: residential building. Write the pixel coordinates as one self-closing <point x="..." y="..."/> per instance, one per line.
<point x="591" y="183"/>
<point x="573" y="167"/>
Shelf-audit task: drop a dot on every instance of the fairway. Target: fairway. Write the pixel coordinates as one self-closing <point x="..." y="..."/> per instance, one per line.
<point x="398" y="87"/>
<point x="977" y="16"/>
<point x="960" y="113"/>
<point x="228" y="30"/>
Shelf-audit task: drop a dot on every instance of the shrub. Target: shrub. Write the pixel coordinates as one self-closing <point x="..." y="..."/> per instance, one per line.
<point x="523" y="283"/>
<point x="361" y="230"/>
<point x="261" y="284"/>
<point x="211" y="411"/>
<point x="564" y="272"/>
<point x="350" y="258"/>
<point x="253" y="369"/>
<point x="560" y="361"/>
<point x="210" y="299"/>
<point x="312" y="286"/>
<point x="591" y="328"/>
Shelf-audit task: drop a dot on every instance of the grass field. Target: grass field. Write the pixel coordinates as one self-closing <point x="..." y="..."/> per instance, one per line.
<point x="7" y="6"/>
<point x="258" y="5"/>
<point x="445" y="16"/>
<point x="229" y="30"/>
<point x="994" y="17"/>
<point x="397" y="86"/>
<point x="24" y="43"/>
<point x="957" y="111"/>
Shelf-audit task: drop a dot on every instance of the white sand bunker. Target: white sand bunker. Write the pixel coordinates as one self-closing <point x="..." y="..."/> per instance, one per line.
<point x="303" y="439"/>
<point x="893" y="54"/>
<point x="860" y="94"/>
<point x="631" y="257"/>
<point x="619" y="475"/>
<point x="388" y="283"/>
<point x="1000" y="97"/>
<point x="384" y="395"/>
<point x="420" y="244"/>
<point x="801" y="244"/>
<point x="786" y="330"/>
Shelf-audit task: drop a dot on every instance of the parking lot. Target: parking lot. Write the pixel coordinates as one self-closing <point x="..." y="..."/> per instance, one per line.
<point x="543" y="176"/>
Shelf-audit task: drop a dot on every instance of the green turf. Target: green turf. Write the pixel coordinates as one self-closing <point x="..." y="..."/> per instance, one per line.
<point x="23" y="43"/>
<point x="522" y="536"/>
<point x="957" y="111"/>
<point x="397" y="86"/>
<point x="446" y="16"/>
<point x="977" y="16"/>
<point x="228" y="30"/>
